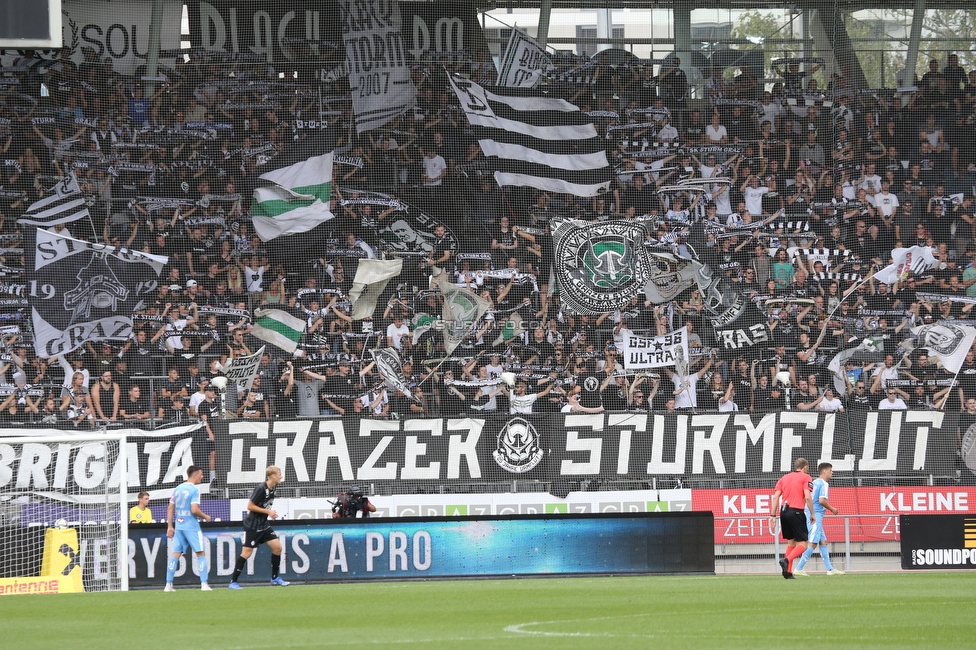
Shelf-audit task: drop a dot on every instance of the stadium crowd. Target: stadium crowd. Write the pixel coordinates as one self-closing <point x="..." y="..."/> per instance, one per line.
<point x="803" y="189"/>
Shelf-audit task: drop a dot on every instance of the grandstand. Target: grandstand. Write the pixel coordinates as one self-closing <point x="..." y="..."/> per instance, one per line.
<point x="703" y="259"/>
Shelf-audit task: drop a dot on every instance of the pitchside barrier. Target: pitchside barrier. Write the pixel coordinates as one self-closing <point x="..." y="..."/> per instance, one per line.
<point x="446" y="547"/>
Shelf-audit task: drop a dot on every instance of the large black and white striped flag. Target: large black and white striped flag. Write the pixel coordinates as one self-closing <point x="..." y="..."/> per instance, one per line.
<point x="536" y="141"/>
<point x="65" y="204"/>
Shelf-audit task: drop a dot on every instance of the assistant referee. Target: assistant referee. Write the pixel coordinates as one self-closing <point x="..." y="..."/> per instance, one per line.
<point x="795" y="489"/>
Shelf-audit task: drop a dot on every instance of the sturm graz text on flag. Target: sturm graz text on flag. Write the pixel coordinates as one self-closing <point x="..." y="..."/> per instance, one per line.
<point x="82" y="292"/>
<point x="599" y="266"/>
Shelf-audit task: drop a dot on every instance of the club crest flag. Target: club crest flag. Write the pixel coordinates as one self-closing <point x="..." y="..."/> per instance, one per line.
<point x="391" y="369"/>
<point x="523" y="63"/>
<point x="80" y="291"/>
<point x="947" y="341"/>
<point x="461" y="312"/>
<point x="642" y="352"/>
<point x="241" y="370"/>
<point x="371" y="279"/>
<point x="379" y="70"/>
<point x="599" y="266"/>
<point x="299" y="200"/>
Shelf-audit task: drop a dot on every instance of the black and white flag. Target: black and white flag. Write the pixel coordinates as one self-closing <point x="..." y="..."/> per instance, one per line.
<point x="736" y="321"/>
<point x="379" y="74"/>
<point x="391" y="370"/>
<point x="599" y="266"/>
<point x="536" y="141"/>
<point x="523" y="63"/>
<point x="64" y="205"/>
<point x="82" y="292"/>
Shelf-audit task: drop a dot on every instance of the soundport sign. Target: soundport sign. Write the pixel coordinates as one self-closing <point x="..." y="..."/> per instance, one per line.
<point x="938" y="542"/>
<point x="742" y="516"/>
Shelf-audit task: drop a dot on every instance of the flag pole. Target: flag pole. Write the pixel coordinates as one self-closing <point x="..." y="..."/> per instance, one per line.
<point x="949" y="392"/>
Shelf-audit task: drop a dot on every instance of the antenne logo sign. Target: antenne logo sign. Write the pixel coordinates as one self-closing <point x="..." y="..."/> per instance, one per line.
<point x="98" y="288"/>
<point x="518" y="449"/>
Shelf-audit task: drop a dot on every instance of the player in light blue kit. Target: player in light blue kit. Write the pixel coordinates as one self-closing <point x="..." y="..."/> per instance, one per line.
<point x="817" y="537"/>
<point x="184" y="510"/>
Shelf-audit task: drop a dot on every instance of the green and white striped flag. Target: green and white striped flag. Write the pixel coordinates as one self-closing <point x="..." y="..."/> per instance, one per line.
<point x="278" y="328"/>
<point x="297" y="202"/>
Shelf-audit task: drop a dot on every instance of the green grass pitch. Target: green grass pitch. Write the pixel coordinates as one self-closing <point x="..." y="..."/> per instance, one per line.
<point x="897" y="610"/>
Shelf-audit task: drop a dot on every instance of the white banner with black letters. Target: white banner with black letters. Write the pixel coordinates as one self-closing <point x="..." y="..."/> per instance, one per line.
<point x="641" y="352"/>
<point x="378" y="74"/>
<point x="241" y="370"/>
<point x="523" y="63"/>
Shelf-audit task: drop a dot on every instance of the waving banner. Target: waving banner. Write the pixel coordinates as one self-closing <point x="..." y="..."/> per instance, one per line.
<point x="379" y="76"/>
<point x="390" y="367"/>
<point x="83" y="292"/>
<point x="655" y="352"/>
<point x="523" y="63"/>
<point x="241" y="370"/>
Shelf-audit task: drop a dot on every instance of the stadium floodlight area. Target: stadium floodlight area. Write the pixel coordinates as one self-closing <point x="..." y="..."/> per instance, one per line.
<point x="30" y="24"/>
<point x="63" y="523"/>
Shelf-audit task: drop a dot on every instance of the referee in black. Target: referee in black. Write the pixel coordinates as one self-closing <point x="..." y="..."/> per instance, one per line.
<point x="258" y="531"/>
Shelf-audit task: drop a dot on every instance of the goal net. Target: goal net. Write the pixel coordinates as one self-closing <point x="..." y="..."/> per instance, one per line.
<point x="63" y="524"/>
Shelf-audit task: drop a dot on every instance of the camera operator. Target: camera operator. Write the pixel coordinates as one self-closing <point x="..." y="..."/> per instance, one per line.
<point x="350" y="502"/>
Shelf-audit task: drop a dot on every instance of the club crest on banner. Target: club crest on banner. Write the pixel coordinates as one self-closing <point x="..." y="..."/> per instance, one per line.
<point x="599" y="266"/>
<point x="518" y="449"/>
<point x="98" y="288"/>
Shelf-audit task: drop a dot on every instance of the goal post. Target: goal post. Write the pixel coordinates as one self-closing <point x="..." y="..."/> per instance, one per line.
<point x="63" y="513"/>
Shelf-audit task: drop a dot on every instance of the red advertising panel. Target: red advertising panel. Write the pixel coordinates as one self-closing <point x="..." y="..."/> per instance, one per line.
<point x="742" y="516"/>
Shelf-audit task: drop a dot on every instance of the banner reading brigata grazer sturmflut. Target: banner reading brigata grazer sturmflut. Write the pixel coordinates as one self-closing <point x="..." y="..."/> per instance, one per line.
<point x="425" y="453"/>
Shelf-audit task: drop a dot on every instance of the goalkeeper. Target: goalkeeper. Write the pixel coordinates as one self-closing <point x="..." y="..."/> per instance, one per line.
<point x="258" y="531"/>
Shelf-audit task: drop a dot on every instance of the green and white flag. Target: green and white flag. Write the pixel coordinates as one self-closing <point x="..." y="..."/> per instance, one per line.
<point x="462" y="309"/>
<point x="297" y="202"/>
<point x="278" y="328"/>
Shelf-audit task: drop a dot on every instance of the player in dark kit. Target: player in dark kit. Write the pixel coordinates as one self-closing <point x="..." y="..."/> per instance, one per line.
<point x="795" y="489"/>
<point x="258" y="531"/>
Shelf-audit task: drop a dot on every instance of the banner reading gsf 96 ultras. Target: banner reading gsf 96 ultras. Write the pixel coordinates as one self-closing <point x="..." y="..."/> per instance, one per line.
<point x="450" y="547"/>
